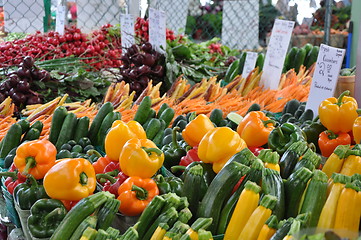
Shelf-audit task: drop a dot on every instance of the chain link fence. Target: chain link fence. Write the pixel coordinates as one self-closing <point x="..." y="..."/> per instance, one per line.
<point x="240" y="24"/>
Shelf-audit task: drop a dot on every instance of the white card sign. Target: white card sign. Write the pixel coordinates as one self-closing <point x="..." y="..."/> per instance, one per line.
<point x="60" y="19"/>
<point x="325" y="77"/>
<point x="249" y="64"/>
<point x="276" y="53"/>
<point x="157" y="29"/>
<point x="127" y="30"/>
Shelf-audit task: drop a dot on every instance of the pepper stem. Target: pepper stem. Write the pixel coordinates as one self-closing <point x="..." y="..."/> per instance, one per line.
<point x="30" y="163"/>
<point x="345" y="93"/>
<point x="174" y="137"/>
<point x="265" y="123"/>
<point x="52" y="214"/>
<point x="141" y="193"/>
<point x="83" y="178"/>
<point x="13" y="175"/>
<point x="151" y="150"/>
<point x="279" y="131"/>
<point x="93" y="152"/>
<point x="107" y="177"/>
<point x="177" y="168"/>
<point x="331" y="135"/>
<point x="32" y="180"/>
<point x="358" y="111"/>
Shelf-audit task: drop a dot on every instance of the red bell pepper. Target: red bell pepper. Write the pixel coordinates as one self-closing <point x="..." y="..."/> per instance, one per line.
<point x="191" y="156"/>
<point x="255" y="150"/>
<point x="111" y="167"/>
<point x="112" y="184"/>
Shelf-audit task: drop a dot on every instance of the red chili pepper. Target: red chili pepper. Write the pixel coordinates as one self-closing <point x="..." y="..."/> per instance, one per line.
<point x="191" y="156"/>
<point x="13" y="179"/>
<point x="113" y="183"/>
<point x="255" y="150"/>
<point x="111" y="167"/>
<point x="238" y="184"/>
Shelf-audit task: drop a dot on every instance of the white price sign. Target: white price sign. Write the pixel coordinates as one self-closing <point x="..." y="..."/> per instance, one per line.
<point x="127" y="30"/>
<point x="249" y="64"/>
<point x="325" y="77"/>
<point x="60" y="19"/>
<point x="157" y="29"/>
<point x="276" y="53"/>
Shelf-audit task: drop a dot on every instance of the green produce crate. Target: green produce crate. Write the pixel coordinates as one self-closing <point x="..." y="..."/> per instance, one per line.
<point x="10" y="206"/>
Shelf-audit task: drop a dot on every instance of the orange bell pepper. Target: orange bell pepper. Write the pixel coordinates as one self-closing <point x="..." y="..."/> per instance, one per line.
<point x="196" y="129"/>
<point x="35" y="158"/>
<point x="328" y="141"/>
<point x="70" y="179"/>
<point x="255" y="128"/>
<point x="338" y="115"/>
<point x="101" y="163"/>
<point x="119" y="134"/>
<point x="356" y="130"/>
<point x="135" y="193"/>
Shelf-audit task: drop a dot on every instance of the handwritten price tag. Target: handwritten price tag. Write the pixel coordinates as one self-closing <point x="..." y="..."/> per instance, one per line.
<point x="249" y="64"/>
<point x="60" y="19"/>
<point x="276" y="53"/>
<point x="157" y="29"/>
<point x="324" y="80"/>
<point x="127" y="30"/>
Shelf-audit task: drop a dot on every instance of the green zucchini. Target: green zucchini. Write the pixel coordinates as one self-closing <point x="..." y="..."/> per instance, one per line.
<point x="294" y="188"/>
<point x="184" y="215"/>
<point x="245" y="157"/>
<point x="107" y="213"/>
<point x="283" y="228"/>
<point x="56" y="123"/>
<point x="272" y="184"/>
<point x="90" y="221"/>
<point x="254" y="175"/>
<point x="218" y="192"/>
<point x="82" y="128"/>
<point x="149" y="215"/>
<point x="113" y="233"/>
<point x="315" y="197"/>
<point x="193" y="178"/>
<point x="178" y="227"/>
<point x="216" y="116"/>
<point x="144" y="110"/>
<point x="102" y="235"/>
<point x="25" y="125"/>
<point x="290" y="158"/>
<point x="67" y="130"/>
<point x="89" y="234"/>
<point x="167" y="116"/>
<point x="78" y="213"/>
<point x="130" y="234"/>
<point x="11" y="139"/>
<point x="309" y="160"/>
<point x="98" y="119"/>
<point x="169" y="217"/>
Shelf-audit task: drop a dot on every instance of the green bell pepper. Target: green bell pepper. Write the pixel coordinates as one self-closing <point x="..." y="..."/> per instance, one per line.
<point x="169" y="184"/>
<point x="312" y="132"/>
<point x="45" y="216"/>
<point x="282" y="137"/>
<point x="173" y="152"/>
<point x="26" y="194"/>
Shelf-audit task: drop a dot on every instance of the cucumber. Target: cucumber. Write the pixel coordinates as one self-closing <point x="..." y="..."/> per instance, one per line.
<point x="153" y="128"/>
<point x="254" y="107"/>
<point x="104" y="127"/>
<point x="163" y="107"/>
<point x="56" y="123"/>
<point x="82" y="128"/>
<point x="234" y="117"/>
<point x="311" y="57"/>
<point x="97" y="121"/>
<point x="177" y="119"/>
<point x="25" y="125"/>
<point x="11" y="139"/>
<point x="291" y="58"/>
<point x="167" y="115"/>
<point x="218" y="192"/>
<point x="291" y="107"/>
<point x="299" y="59"/>
<point x="232" y="71"/>
<point x="242" y="60"/>
<point x="260" y="61"/>
<point x="38" y="125"/>
<point x="67" y="130"/>
<point x="159" y="136"/>
<point x="308" y="47"/>
<point x="216" y="116"/>
<point x="32" y="134"/>
<point x="144" y="110"/>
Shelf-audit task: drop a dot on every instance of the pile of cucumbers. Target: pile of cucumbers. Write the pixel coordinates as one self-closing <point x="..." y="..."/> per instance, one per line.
<point x="296" y="57"/>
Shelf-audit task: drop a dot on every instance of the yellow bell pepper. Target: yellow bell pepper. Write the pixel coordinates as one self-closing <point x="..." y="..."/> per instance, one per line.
<point x="141" y="158"/>
<point x="338" y="115"/>
<point x="219" y="145"/>
<point x="196" y="129"/>
<point x="70" y="179"/>
<point x="356" y="130"/>
<point x="119" y="134"/>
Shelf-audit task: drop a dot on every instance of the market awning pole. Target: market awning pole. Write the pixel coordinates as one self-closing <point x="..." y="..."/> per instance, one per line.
<point x="328" y="13"/>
